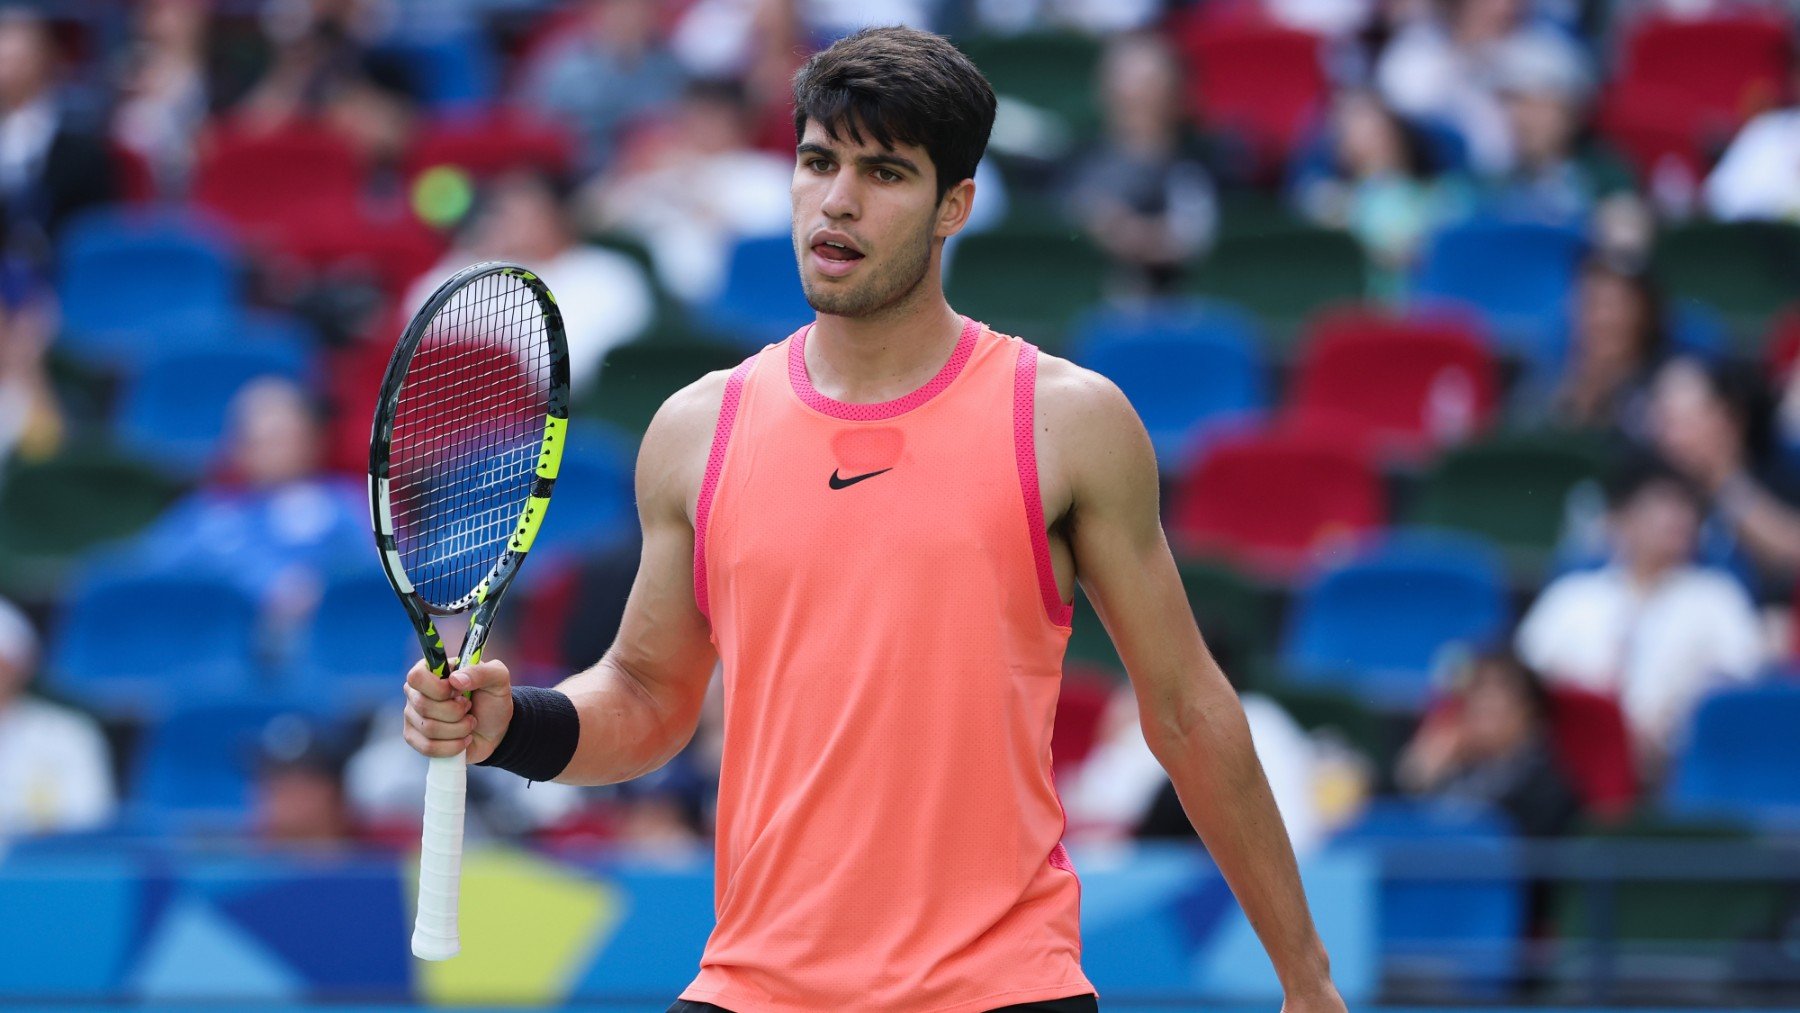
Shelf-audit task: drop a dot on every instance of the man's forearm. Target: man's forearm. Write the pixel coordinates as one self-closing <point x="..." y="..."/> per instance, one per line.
<point x="627" y="730"/>
<point x="1205" y="746"/>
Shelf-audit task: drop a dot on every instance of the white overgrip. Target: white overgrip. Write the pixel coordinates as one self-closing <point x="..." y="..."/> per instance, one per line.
<point x="440" y="859"/>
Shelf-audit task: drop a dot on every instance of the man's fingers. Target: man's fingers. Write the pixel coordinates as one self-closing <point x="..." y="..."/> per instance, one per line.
<point x="433" y="747"/>
<point x="440" y="710"/>
<point x="432" y="728"/>
<point x="489" y="676"/>
<point x="430" y="686"/>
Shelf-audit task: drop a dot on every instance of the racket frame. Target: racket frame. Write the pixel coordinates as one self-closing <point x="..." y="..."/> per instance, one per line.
<point x="484" y="598"/>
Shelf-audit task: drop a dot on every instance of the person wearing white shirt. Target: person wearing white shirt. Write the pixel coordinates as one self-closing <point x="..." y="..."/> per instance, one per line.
<point x="1650" y="628"/>
<point x="55" y="768"/>
<point x="1759" y="177"/>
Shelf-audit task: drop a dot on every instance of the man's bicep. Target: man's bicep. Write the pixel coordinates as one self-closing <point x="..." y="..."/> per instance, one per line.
<point x="1124" y="563"/>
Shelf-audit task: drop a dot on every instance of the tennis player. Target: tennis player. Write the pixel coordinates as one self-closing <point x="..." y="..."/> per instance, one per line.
<point x="877" y="525"/>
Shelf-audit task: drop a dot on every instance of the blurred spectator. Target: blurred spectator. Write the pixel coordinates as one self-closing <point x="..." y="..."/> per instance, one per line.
<point x="524" y="217"/>
<point x="1096" y="17"/>
<point x="1142" y="195"/>
<point x="610" y="70"/>
<point x="1651" y="627"/>
<point x="1489" y="742"/>
<point x="298" y="795"/>
<point x="1707" y="421"/>
<point x="692" y="188"/>
<point x="55" y="768"/>
<point x="1556" y="176"/>
<point x="50" y="167"/>
<point x="273" y="521"/>
<point x="1756" y="177"/>
<point x="164" y="92"/>
<point x="1379" y="185"/>
<point x="320" y="47"/>
<point x="1618" y="338"/>
<point x="31" y="421"/>
<point x="1120" y="789"/>
<point x="1443" y="69"/>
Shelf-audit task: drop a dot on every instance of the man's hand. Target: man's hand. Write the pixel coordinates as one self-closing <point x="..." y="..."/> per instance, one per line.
<point x="1323" y="999"/>
<point x="441" y="721"/>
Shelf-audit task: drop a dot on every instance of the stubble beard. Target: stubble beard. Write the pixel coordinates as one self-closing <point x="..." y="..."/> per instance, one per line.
<point x="880" y="291"/>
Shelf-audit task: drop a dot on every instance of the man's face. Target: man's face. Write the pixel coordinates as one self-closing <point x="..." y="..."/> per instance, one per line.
<point x="866" y="221"/>
<point x="1657" y="527"/>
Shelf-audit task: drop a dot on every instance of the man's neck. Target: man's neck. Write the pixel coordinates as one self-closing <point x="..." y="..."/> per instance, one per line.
<point x="867" y="360"/>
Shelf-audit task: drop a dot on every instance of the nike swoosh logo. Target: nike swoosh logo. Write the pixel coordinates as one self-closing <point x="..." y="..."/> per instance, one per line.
<point x="845" y="483"/>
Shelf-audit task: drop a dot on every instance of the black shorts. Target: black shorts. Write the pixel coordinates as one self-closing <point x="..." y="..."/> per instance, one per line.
<point x="1073" y="1004"/>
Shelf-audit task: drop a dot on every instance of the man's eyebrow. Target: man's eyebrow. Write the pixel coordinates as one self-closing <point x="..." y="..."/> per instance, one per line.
<point x="862" y="161"/>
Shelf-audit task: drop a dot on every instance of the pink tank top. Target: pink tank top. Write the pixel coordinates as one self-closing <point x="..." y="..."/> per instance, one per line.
<point x="879" y="585"/>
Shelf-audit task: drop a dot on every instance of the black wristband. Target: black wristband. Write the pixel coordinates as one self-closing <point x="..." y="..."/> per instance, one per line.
<point x="541" y="739"/>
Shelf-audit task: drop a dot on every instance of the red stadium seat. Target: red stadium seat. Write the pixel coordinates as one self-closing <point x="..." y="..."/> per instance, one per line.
<point x="392" y="252"/>
<point x="131" y="172"/>
<point x="1783" y="344"/>
<point x="1086" y="693"/>
<point x="1588" y="733"/>
<point x="493" y="142"/>
<point x="279" y="185"/>
<point x="1685" y="86"/>
<point x="1273" y="499"/>
<point x="1411" y="383"/>
<point x="1260" y="83"/>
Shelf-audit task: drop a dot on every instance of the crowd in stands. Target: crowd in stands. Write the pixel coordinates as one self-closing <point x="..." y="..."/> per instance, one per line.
<point x="1460" y="327"/>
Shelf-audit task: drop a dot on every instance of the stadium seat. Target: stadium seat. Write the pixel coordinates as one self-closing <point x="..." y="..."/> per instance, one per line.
<point x="390" y="253"/>
<point x="1050" y="71"/>
<point x="175" y="410"/>
<point x="363" y="631"/>
<point x="54" y="511"/>
<point x="279" y="185"/>
<point x="1742" y="756"/>
<point x="1378" y="624"/>
<point x="1415" y="383"/>
<point x="639" y="376"/>
<point x="1031" y="286"/>
<point x="1746" y="270"/>
<point x="1233" y="609"/>
<point x="1588" y="732"/>
<point x="1270" y="499"/>
<point x="1511" y="489"/>
<point x="196" y="767"/>
<point x="1453" y="904"/>
<point x="1283" y="275"/>
<point x="134" y="281"/>
<point x="130" y="644"/>
<point x="761" y="301"/>
<point x="489" y="142"/>
<point x="1684" y="86"/>
<point x="1080" y="711"/>
<point x="1519" y="275"/>
<point x="1182" y="366"/>
<point x="1340" y="714"/>
<point x="1259" y="84"/>
<point x="595" y="507"/>
<point x="1707" y="919"/>
<point x="446" y="70"/>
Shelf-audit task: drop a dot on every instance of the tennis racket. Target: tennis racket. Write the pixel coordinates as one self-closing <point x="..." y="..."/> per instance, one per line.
<point x="467" y="439"/>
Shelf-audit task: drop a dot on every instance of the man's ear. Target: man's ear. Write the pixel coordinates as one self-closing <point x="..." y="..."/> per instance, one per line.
<point x="954" y="209"/>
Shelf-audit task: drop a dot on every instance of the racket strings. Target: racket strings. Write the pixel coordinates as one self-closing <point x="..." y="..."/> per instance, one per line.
<point x="467" y="432"/>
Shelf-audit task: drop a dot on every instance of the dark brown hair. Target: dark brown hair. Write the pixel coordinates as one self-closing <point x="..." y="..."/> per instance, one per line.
<point x="902" y="86"/>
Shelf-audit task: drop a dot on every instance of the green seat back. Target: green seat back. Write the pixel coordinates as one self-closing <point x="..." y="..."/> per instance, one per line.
<point x="1031" y="286"/>
<point x="638" y="377"/>
<point x="1511" y="488"/>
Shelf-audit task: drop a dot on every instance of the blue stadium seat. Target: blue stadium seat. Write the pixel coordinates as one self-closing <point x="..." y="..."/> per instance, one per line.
<point x="130" y="644"/>
<point x="1742" y="758"/>
<point x="1183" y="365"/>
<point x="1520" y="275"/>
<point x="761" y="300"/>
<point x="1435" y="921"/>
<point x="194" y="769"/>
<point x="135" y="281"/>
<point x="1376" y="624"/>
<point x="356" y="649"/>
<point x="175" y="409"/>
<point x="595" y="505"/>
<point x="448" y="71"/>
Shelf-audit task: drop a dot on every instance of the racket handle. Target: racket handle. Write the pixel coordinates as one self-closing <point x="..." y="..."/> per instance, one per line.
<point x="440" y="859"/>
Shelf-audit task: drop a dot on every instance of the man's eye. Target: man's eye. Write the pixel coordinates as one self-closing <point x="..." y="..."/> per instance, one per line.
<point x="818" y="164"/>
<point x="887" y="175"/>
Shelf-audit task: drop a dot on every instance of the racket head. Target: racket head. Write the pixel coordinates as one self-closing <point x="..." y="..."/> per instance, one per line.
<point x="466" y="442"/>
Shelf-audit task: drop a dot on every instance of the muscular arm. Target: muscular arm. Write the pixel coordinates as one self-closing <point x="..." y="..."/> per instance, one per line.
<point x="640" y="704"/>
<point x="1191" y="716"/>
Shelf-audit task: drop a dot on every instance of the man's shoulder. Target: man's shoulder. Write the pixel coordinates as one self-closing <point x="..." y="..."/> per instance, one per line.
<point x="1065" y="388"/>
